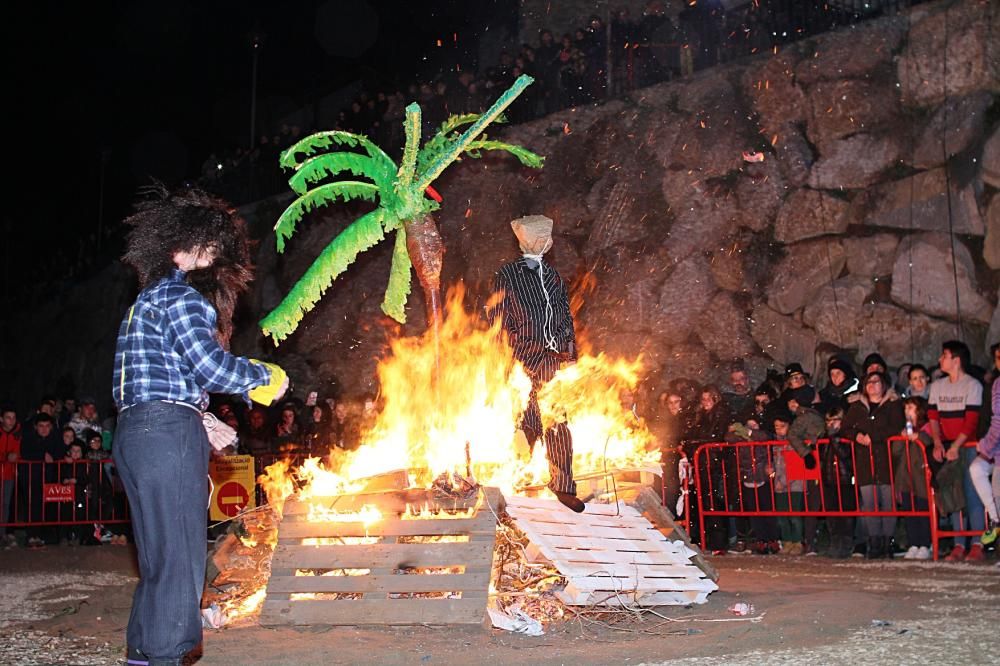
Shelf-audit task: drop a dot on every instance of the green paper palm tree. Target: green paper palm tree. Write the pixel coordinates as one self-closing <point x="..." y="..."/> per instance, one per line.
<point x="402" y="207"/>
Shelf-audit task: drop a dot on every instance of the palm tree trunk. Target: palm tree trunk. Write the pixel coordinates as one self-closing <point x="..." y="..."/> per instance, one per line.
<point x="426" y="250"/>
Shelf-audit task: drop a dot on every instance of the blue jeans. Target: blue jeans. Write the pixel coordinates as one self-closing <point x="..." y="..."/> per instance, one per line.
<point x="878" y="526"/>
<point x="974" y="512"/>
<point x="161" y="452"/>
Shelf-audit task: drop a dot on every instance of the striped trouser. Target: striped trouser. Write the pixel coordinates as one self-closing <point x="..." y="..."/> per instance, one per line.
<point x="558" y="439"/>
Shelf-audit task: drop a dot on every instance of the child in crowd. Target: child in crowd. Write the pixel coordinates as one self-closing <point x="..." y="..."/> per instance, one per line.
<point x="910" y="460"/>
<point x="787" y="496"/>
<point x="837" y="475"/>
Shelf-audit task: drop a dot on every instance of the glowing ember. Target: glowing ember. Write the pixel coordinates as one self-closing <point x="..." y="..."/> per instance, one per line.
<point x="368" y="515"/>
<point x="245" y="607"/>
<point x="426" y="512"/>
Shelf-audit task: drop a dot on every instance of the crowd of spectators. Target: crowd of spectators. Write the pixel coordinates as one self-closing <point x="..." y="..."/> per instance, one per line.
<point x="64" y="442"/>
<point x="867" y="434"/>
<point x="861" y="442"/>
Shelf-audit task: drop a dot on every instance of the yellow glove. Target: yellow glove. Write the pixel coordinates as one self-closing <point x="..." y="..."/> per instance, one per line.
<point x="268" y="393"/>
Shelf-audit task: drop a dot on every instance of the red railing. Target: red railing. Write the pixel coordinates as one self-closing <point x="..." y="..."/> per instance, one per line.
<point x="717" y="464"/>
<point x="938" y="533"/>
<point x="63" y="493"/>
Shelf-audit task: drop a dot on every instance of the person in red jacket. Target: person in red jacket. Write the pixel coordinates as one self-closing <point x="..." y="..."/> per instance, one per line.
<point x="10" y="451"/>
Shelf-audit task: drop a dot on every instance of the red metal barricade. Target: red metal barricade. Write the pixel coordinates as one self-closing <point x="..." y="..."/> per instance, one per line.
<point x="721" y="470"/>
<point x="937" y="533"/>
<point x="63" y="493"/>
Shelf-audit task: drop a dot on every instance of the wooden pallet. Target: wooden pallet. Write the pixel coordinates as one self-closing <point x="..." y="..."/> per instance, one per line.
<point x="389" y="583"/>
<point x="610" y="555"/>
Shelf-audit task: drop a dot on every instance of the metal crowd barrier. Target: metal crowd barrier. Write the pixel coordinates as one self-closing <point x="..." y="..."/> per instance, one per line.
<point x="938" y="533"/>
<point x="62" y="493"/>
<point x="720" y="469"/>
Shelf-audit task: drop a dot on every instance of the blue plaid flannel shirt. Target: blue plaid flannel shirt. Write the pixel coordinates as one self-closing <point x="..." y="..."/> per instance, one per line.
<point x="167" y="350"/>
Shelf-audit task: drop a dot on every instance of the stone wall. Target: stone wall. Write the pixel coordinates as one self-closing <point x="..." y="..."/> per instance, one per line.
<point x="838" y="240"/>
<point x="872" y="137"/>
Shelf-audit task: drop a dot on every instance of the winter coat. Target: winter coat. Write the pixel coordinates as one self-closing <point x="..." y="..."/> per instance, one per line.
<point x="10" y="442"/>
<point x="949" y="495"/>
<point x="880" y="422"/>
<point x="752" y="460"/>
<point x="710" y="426"/>
<point x="910" y="463"/>
<point x="807" y="427"/>
<point x="835" y="464"/>
<point x="836" y="396"/>
<point x="34" y="448"/>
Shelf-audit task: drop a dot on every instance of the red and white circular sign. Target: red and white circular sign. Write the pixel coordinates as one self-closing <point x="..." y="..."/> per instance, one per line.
<point x="231" y="498"/>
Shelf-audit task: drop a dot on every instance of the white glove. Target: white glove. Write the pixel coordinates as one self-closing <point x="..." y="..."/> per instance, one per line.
<point x="220" y="435"/>
<point x="282" y="390"/>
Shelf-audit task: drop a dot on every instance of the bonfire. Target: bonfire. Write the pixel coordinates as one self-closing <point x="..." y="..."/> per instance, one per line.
<point x="453" y="449"/>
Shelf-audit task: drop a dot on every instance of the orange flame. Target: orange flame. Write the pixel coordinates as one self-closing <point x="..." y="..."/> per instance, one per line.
<point x="466" y="424"/>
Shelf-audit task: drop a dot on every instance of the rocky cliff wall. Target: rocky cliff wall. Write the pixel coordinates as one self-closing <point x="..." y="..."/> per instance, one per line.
<point x="880" y="147"/>
<point x="874" y="214"/>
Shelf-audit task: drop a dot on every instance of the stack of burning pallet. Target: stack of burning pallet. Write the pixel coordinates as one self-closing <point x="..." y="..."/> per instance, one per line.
<point x="425" y="560"/>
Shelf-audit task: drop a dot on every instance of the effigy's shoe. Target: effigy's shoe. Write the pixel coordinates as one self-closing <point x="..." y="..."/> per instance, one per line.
<point x="570" y="501"/>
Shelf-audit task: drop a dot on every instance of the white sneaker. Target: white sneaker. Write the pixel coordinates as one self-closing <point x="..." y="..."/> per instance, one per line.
<point x="923" y="553"/>
<point x="911" y="554"/>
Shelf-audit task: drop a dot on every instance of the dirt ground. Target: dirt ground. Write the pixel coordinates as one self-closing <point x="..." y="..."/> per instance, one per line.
<point x="65" y="605"/>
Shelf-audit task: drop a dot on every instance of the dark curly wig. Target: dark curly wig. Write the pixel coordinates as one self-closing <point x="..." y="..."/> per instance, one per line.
<point x="166" y="222"/>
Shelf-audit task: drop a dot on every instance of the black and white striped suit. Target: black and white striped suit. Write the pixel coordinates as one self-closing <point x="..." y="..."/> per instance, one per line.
<point x="533" y="329"/>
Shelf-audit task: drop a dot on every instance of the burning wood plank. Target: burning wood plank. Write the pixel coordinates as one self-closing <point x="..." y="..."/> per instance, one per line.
<point x="423" y="567"/>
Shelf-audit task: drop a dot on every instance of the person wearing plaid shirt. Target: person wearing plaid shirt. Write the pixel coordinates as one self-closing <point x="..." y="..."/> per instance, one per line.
<point x="167" y="350"/>
<point x="190" y="251"/>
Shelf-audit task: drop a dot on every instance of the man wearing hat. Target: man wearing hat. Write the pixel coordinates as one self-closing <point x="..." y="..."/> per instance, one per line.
<point x="85" y="418"/>
<point x="534" y="310"/>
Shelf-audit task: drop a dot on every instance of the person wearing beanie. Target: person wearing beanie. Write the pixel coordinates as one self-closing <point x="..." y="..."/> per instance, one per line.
<point x="874" y="363"/>
<point x="842" y="382"/>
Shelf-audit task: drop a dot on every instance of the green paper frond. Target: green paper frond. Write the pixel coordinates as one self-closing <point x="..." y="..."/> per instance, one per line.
<point x="318" y="168"/>
<point x="455" y="121"/>
<point x="394" y="303"/>
<point x="345" y="190"/>
<point x="525" y="156"/>
<point x="359" y="236"/>
<point x="314" y="143"/>
<point x="430" y="174"/>
<point x="411" y="125"/>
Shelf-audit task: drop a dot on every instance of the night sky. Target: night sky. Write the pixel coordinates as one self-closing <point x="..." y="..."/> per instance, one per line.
<point x="152" y="88"/>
